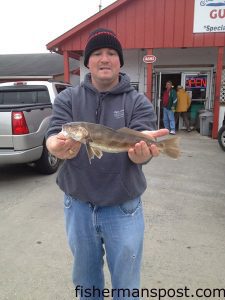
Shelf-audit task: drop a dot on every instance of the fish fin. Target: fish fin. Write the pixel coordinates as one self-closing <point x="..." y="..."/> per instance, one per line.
<point x="170" y="147"/>
<point x="135" y="133"/>
<point x="92" y="152"/>
<point x="97" y="152"/>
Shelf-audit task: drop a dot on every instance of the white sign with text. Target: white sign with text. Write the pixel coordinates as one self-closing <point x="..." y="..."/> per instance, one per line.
<point x="209" y="16"/>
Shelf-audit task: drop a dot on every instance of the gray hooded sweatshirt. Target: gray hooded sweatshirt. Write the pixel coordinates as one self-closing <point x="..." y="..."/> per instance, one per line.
<point x="114" y="178"/>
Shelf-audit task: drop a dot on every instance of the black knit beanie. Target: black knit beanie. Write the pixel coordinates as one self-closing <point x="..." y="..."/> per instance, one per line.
<point x="102" y="38"/>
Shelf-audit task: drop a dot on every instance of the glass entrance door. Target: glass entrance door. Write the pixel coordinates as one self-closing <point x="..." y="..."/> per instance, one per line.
<point x="198" y="85"/>
<point x="159" y="83"/>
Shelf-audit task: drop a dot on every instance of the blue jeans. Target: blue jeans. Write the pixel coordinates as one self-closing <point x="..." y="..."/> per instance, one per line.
<point x="168" y="119"/>
<point x="116" y="230"/>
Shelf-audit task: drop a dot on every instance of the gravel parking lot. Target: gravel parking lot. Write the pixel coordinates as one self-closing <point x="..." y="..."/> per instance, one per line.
<point x="185" y="227"/>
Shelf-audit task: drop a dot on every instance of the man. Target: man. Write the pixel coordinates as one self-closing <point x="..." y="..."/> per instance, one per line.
<point x="169" y="105"/>
<point x="103" y="209"/>
<point x="183" y="104"/>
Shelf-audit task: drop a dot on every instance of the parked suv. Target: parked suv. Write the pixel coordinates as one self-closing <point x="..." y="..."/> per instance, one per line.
<point x="25" y="111"/>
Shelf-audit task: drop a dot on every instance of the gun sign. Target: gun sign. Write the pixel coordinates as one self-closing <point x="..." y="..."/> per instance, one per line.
<point x="149" y="59"/>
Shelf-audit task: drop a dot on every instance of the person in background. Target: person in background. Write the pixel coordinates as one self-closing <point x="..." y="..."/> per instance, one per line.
<point x="183" y="104"/>
<point x="169" y="106"/>
<point x="102" y="200"/>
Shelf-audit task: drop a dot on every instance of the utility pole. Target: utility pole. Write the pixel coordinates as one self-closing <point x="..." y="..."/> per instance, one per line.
<point x="100" y="5"/>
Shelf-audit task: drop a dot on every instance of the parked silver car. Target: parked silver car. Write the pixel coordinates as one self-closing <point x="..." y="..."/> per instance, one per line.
<point x="25" y="111"/>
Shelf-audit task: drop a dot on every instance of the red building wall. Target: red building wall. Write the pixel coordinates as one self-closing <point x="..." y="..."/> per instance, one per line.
<point x="144" y="24"/>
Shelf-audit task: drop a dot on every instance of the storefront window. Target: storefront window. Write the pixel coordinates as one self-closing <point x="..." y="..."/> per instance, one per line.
<point x="197" y="85"/>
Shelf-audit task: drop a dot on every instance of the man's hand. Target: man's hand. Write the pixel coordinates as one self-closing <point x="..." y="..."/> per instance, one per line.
<point x="141" y="152"/>
<point x="62" y="147"/>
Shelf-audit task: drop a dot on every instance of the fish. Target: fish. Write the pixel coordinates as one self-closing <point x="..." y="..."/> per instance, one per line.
<point x="99" y="138"/>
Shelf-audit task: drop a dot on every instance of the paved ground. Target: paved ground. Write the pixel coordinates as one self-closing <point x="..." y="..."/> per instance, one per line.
<point x="185" y="227"/>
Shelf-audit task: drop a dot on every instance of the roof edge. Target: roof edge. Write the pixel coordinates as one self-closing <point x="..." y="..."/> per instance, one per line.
<point x="85" y="23"/>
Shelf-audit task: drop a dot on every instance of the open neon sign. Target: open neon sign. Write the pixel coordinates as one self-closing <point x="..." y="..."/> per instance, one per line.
<point x="196" y="82"/>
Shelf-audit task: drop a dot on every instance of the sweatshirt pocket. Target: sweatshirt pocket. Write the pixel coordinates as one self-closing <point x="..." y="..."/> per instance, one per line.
<point x="89" y="185"/>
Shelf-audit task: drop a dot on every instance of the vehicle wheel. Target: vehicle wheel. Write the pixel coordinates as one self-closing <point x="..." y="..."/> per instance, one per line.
<point x="48" y="163"/>
<point x="221" y="137"/>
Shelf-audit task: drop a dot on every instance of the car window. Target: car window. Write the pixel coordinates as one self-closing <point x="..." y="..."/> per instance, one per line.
<point x="26" y="95"/>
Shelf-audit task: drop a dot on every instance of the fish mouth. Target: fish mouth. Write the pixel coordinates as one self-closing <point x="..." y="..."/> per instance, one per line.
<point x="64" y="133"/>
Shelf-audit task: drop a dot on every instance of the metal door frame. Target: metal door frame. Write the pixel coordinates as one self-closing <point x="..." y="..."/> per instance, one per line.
<point x="209" y="73"/>
<point x="158" y="72"/>
<point x="157" y="81"/>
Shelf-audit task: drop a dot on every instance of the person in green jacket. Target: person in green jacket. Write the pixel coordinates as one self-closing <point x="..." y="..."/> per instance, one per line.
<point x="169" y="106"/>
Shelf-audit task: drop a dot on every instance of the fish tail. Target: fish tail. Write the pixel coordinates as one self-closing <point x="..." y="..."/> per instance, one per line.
<point x="170" y="147"/>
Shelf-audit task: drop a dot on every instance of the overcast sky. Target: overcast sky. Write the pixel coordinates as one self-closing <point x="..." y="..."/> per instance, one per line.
<point x="26" y="26"/>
